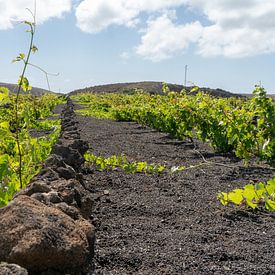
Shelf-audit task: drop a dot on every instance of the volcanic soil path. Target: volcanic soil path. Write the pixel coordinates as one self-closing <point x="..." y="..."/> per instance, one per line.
<point x="172" y="223"/>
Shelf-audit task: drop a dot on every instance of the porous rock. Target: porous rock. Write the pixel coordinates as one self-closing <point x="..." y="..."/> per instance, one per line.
<point x="47" y="198"/>
<point x="38" y="186"/>
<point x="73" y="193"/>
<point x="40" y="237"/>
<point x="71" y="156"/>
<point x="47" y="174"/>
<point x="12" y="269"/>
<point x="71" y="211"/>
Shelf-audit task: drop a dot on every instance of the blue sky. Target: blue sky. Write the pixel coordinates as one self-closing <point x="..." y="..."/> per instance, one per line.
<point x="226" y="44"/>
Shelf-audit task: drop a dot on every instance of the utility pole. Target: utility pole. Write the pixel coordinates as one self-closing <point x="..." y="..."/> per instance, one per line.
<point x="185" y="75"/>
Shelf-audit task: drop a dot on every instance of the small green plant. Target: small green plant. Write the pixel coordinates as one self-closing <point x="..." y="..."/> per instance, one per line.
<point x="115" y="162"/>
<point x="260" y="195"/>
<point x="23" y="84"/>
<point x="102" y="163"/>
<point x="143" y="167"/>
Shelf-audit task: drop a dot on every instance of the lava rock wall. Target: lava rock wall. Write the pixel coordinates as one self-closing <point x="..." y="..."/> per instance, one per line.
<point x="45" y="228"/>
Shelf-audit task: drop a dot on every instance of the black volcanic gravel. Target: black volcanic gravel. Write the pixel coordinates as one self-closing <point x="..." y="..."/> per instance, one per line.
<point x="172" y="223"/>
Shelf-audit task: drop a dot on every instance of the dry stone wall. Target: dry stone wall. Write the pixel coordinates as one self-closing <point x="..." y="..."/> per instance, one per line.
<point x="45" y="228"/>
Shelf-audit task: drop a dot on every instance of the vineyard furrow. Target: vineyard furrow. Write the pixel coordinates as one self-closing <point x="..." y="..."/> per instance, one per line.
<point x="172" y="223"/>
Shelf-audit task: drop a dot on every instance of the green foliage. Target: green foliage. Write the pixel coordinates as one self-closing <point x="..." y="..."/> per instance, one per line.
<point x="32" y="114"/>
<point x="245" y="127"/>
<point x="21" y="155"/>
<point x="4" y="96"/>
<point x="24" y="83"/>
<point x="115" y="162"/>
<point x="253" y="196"/>
<point x="20" y="57"/>
<point x="34" y="49"/>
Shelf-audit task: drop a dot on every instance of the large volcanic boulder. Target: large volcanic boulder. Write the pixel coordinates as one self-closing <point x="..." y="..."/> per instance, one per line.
<point x="40" y="237"/>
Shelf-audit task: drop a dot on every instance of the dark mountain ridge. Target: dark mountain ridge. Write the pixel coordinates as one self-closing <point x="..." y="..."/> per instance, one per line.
<point x="34" y="91"/>
<point x="150" y="87"/>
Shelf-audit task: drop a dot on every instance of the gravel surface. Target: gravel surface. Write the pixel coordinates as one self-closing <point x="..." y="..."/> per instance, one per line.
<point x="172" y="223"/>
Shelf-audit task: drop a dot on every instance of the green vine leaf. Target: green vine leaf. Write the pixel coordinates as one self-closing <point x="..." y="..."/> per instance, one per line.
<point x="270" y="205"/>
<point x="4" y="95"/>
<point x="236" y="196"/>
<point x="34" y="49"/>
<point x="253" y="196"/>
<point x="24" y="83"/>
<point x="20" y="57"/>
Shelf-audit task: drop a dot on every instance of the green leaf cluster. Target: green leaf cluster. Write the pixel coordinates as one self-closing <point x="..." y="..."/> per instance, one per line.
<point x="114" y="162"/>
<point x="4" y="96"/>
<point x="23" y="82"/>
<point x="260" y="195"/>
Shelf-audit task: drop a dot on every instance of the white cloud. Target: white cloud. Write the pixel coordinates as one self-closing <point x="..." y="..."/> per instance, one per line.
<point x="12" y="11"/>
<point x="235" y="28"/>
<point x="163" y="39"/>
<point x="96" y="15"/>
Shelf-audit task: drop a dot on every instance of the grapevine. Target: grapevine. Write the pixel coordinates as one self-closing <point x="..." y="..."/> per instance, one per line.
<point x="21" y="154"/>
<point x="245" y="127"/>
<point x="260" y="195"/>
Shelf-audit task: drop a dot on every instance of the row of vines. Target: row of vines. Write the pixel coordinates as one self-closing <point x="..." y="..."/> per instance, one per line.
<point x="244" y="127"/>
<point x="24" y="121"/>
